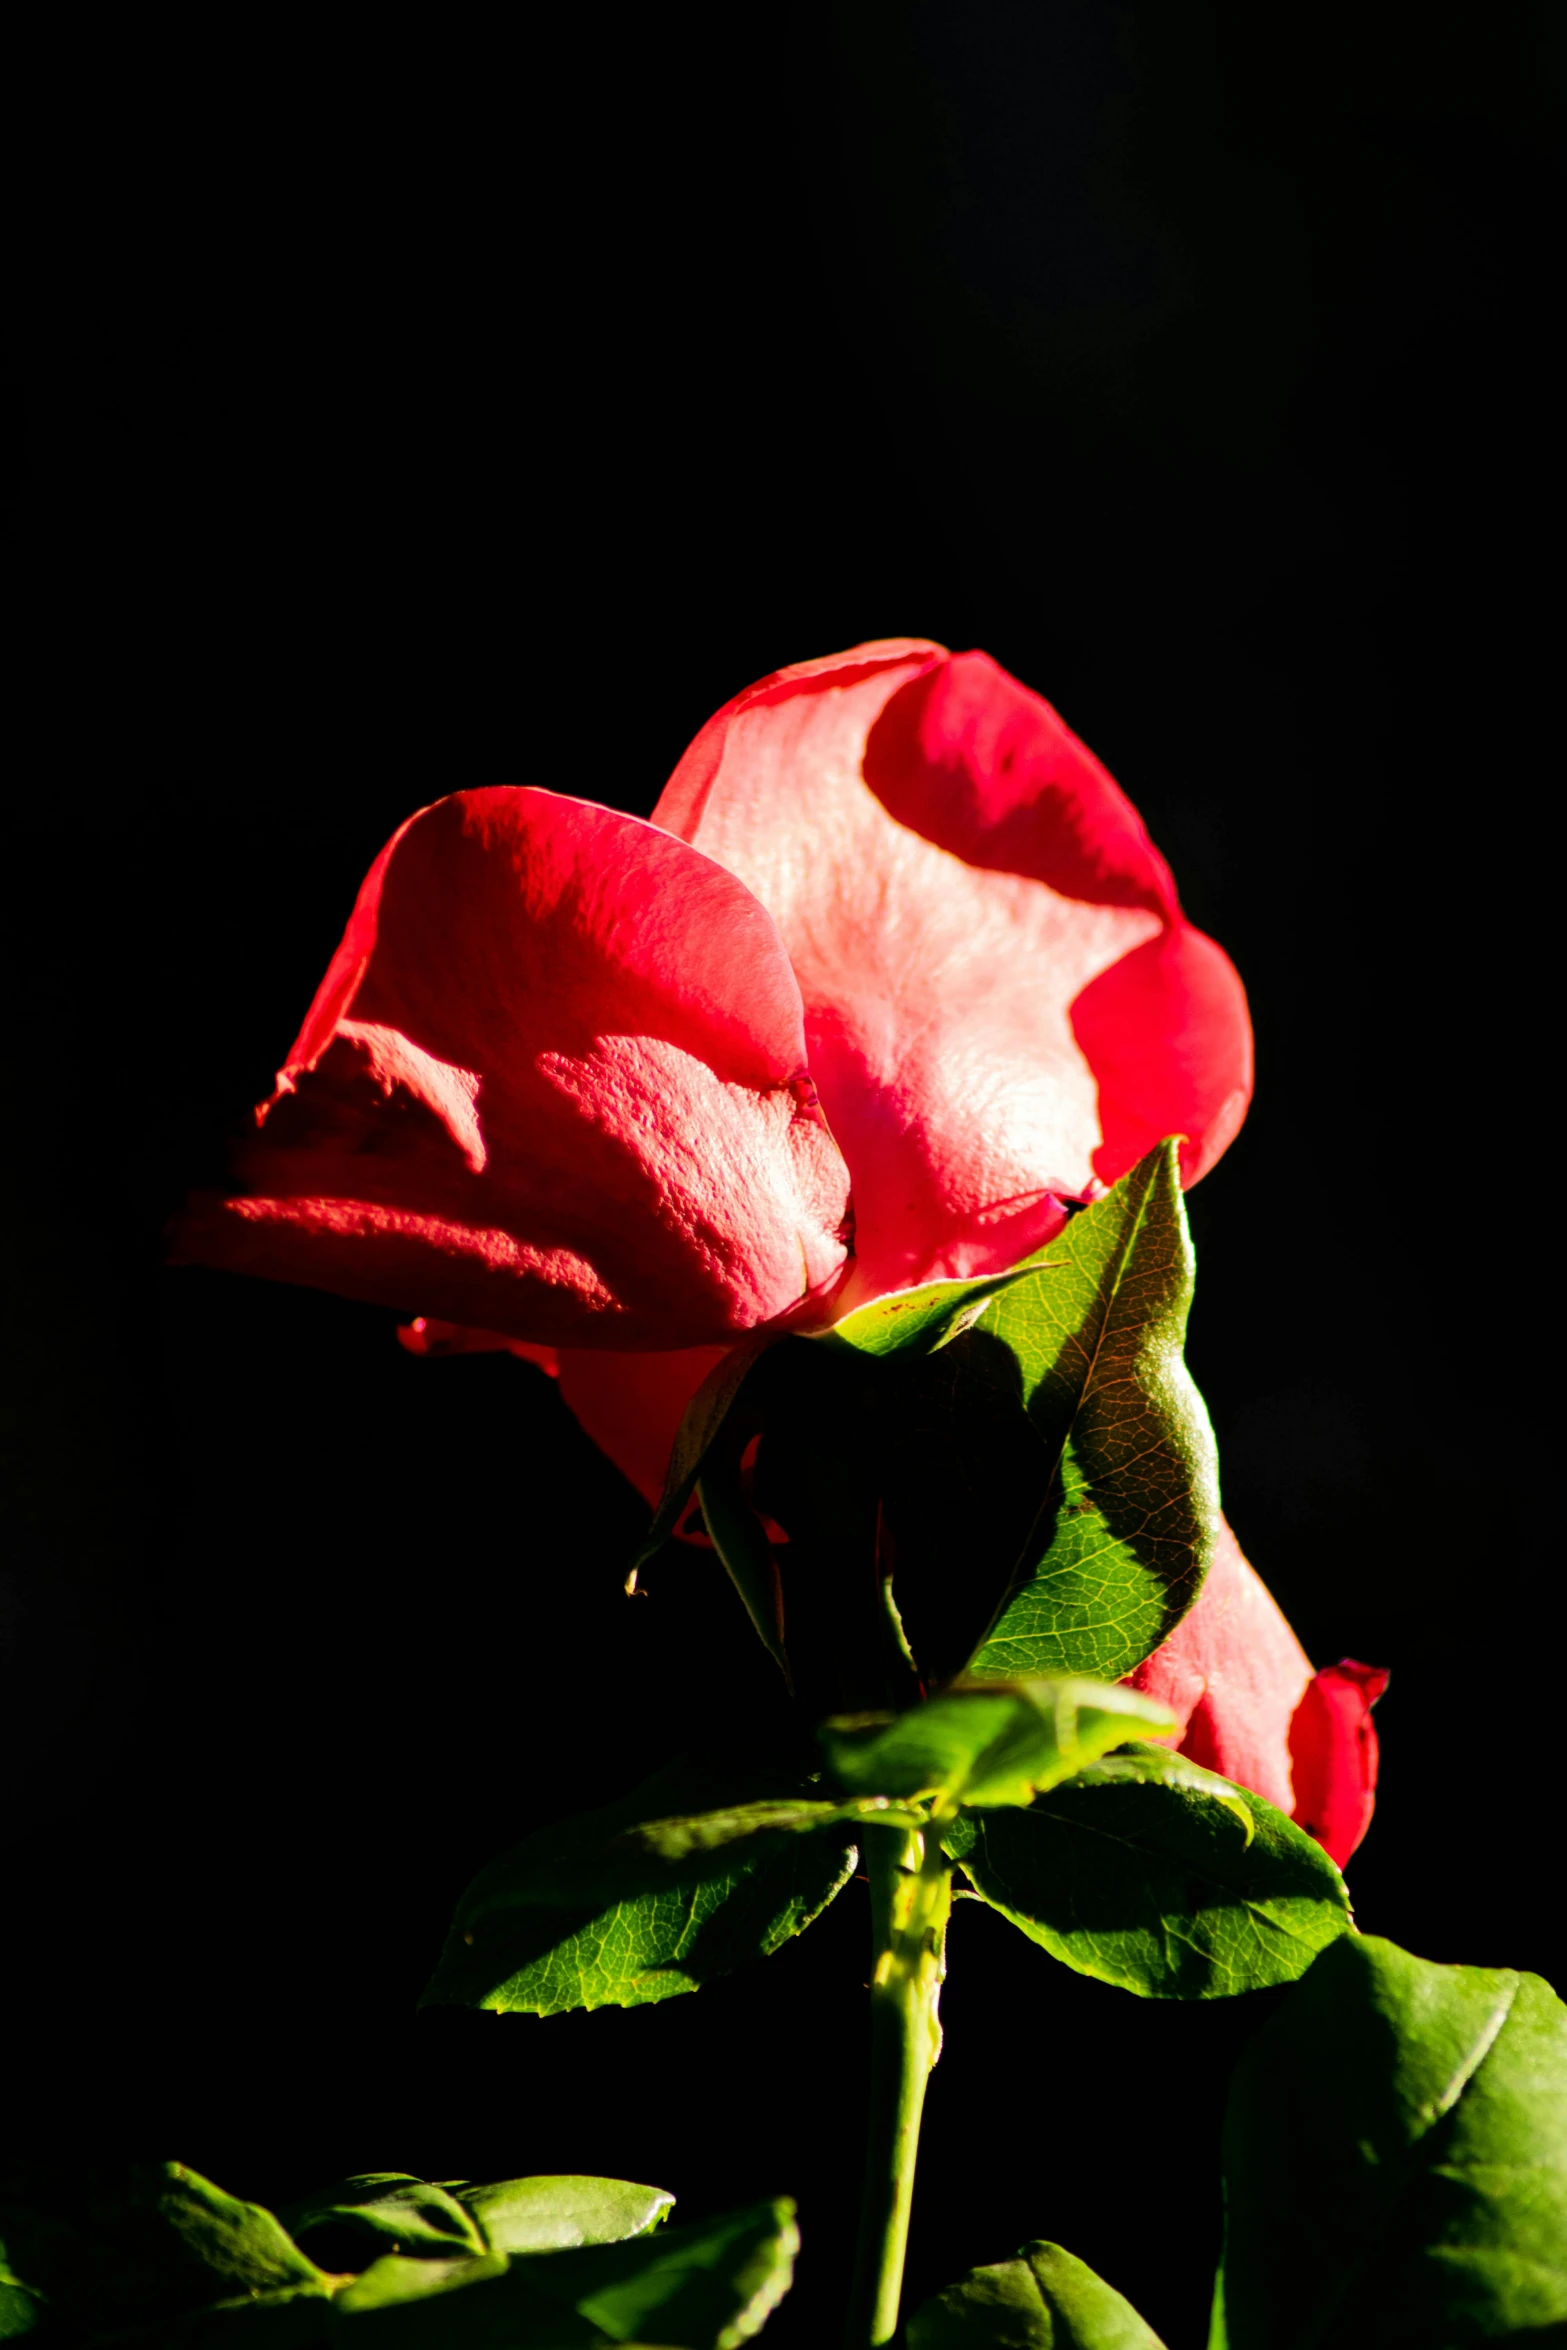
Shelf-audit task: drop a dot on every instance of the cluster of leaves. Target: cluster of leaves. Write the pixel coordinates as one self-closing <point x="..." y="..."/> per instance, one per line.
<point x="1396" y="2159"/>
<point x="1396" y="2150"/>
<point x="155" y="2255"/>
<point x="1119" y="1858"/>
<point x="1395" y="2176"/>
<point x="1043" y="1420"/>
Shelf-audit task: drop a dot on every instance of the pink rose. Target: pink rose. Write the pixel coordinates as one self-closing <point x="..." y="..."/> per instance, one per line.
<point x="893" y="974"/>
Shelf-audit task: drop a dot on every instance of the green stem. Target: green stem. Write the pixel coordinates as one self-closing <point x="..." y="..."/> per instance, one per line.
<point x="911" y="1897"/>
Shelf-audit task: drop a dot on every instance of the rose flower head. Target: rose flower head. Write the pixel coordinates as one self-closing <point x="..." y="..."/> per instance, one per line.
<point x="893" y="977"/>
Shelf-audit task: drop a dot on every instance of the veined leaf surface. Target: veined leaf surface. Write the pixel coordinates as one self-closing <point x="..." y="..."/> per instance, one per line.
<point x="988" y="1746"/>
<point x="649" y="1897"/>
<point x="1395" y="2161"/>
<point x="1128" y="1509"/>
<point x="1155" y="1875"/>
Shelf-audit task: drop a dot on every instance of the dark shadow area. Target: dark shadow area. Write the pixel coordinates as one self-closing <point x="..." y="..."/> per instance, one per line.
<point x="966" y="1483"/>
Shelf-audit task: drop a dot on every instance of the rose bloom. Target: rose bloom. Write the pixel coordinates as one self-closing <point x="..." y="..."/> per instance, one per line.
<point x="893" y="975"/>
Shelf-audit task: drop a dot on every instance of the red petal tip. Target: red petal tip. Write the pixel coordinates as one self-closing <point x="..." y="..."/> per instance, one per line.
<point x="1334" y="1755"/>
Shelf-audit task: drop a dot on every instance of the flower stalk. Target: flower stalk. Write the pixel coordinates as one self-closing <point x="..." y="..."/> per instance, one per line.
<point x="911" y="1899"/>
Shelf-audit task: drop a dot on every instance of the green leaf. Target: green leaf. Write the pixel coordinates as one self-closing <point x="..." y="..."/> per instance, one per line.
<point x="396" y="2279"/>
<point x="348" y="2225"/>
<point x="1129" y="1487"/>
<point x="689" y="2288"/>
<point x="987" y="1746"/>
<point x="650" y="1856"/>
<point x="648" y="1897"/>
<point x="1395" y="2161"/>
<point x="554" y="2214"/>
<point x="741" y="1542"/>
<point x="1153" y="1874"/>
<point x="114" y="2246"/>
<point x="919" y="1321"/>
<point x="21" y="2310"/>
<point x="1043" y="2300"/>
<point x="712" y="2284"/>
<point x="708" y="2287"/>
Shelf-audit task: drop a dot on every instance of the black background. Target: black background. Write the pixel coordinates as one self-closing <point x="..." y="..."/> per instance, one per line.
<point x="436" y="408"/>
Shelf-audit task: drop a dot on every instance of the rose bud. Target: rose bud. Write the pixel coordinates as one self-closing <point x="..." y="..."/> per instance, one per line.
<point x="1251" y="1708"/>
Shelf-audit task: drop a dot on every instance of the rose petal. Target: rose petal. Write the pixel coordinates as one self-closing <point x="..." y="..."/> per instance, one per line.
<point x="1232" y="1673"/>
<point x="952" y="872"/>
<point x="975" y="762"/>
<point x="424" y="1335"/>
<point x="554" y="1085"/>
<point x="1167" y="1034"/>
<point x="632" y="1404"/>
<point x="1333" y="1748"/>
